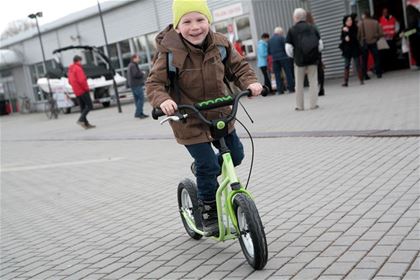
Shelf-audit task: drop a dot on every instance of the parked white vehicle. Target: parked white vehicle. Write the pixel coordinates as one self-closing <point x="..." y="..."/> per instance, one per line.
<point x="99" y="78"/>
<point x="98" y="87"/>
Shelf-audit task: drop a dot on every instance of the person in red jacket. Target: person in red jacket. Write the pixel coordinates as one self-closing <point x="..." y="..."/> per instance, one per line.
<point x="390" y="27"/>
<point x="78" y="82"/>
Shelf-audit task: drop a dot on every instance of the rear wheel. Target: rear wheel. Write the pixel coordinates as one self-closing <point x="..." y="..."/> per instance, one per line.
<point x="188" y="204"/>
<point x="106" y="104"/>
<point x="252" y="235"/>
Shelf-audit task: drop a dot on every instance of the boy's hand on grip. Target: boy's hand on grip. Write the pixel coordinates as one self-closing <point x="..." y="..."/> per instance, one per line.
<point x="168" y="107"/>
<point x="256" y="88"/>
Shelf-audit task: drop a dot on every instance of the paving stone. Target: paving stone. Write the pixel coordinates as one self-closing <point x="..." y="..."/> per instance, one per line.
<point x="308" y="273"/>
<point x="201" y="271"/>
<point x="402" y="256"/>
<point x="339" y="268"/>
<point x="160" y="272"/>
<point x="289" y="269"/>
<point x="382" y="251"/>
<point x="216" y="275"/>
<point x="81" y="274"/>
<point x="412" y="275"/>
<point x="371" y="262"/>
<point x="393" y="269"/>
<point x="362" y="245"/>
<point x="304" y="257"/>
<point x="352" y="256"/>
<point x="321" y="262"/>
<point x="174" y="275"/>
<point x="357" y="274"/>
<point x="276" y="263"/>
<point x="334" y="251"/>
<point x="410" y="245"/>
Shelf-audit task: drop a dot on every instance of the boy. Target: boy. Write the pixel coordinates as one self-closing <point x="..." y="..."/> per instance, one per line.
<point x="200" y="73"/>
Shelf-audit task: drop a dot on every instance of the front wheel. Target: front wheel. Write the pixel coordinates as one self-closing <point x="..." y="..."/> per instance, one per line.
<point x="251" y="235"/>
<point x="188" y="205"/>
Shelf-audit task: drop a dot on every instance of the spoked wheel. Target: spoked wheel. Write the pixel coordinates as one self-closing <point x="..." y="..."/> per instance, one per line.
<point x="188" y="204"/>
<point x="252" y="235"/>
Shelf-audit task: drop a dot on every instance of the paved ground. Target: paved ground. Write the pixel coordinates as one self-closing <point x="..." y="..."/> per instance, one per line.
<point x="102" y="203"/>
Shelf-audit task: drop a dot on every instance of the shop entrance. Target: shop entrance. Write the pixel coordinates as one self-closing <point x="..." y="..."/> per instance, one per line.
<point x="394" y="58"/>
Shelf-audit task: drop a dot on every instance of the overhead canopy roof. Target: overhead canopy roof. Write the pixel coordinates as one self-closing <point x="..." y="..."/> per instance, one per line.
<point x="9" y="58"/>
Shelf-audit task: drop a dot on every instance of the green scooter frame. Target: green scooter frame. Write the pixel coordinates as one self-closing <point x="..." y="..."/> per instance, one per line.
<point x="224" y="201"/>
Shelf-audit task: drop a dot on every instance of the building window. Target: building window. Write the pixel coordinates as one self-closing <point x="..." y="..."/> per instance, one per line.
<point x="243" y="28"/>
<point x="236" y="29"/>
<point x="89" y="57"/>
<point x="125" y="53"/>
<point x="140" y="48"/>
<point x="37" y="71"/>
<point x="113" y="56"/>
<point x="222" y="27"/>
<point x="151" y="43"/>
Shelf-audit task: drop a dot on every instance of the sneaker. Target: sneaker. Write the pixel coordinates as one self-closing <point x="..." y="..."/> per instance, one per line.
<point x="82" y="124"/>
<point x="298" y="109"/>
<point x="314" y="108"/>
<point x="208" y="212"/>
<point x="143" y="116"/>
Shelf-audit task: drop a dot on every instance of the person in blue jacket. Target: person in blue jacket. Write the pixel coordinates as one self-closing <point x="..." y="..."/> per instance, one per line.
<point x="276" y="48"/>
<point x="262" y="55"/>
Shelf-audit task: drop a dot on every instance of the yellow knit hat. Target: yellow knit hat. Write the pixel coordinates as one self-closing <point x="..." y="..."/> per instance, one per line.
<point x="182" y="7"/>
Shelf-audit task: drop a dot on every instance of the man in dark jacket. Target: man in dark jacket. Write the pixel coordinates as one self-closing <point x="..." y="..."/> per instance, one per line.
<point x="78" y="81"/>
<point x="304" y="44"/>
<point x="276" y="48"/>
<point x="136" y="82"/>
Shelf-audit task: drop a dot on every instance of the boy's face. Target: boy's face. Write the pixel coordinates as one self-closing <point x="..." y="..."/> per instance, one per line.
<point x="194" y="27"/>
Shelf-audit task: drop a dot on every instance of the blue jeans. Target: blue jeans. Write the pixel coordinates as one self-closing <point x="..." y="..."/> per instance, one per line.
<point x="138" y="100"/>
<point x="207" y="164"/>
<point x="288" y="70"/>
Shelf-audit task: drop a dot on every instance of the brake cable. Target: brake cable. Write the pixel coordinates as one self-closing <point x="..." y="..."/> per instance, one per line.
<point x="249" y="116"/>
<point x="252" y="152"/>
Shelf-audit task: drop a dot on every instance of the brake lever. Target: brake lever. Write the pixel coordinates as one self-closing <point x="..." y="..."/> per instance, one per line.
<point x="176" y="118"/>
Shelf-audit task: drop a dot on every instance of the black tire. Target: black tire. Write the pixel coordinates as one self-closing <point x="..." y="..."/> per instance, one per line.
<point x="106" y="104"/>
<point x="67" y="110"/>
<point x="187" y="189"/>
<point x="252" y="235"/>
